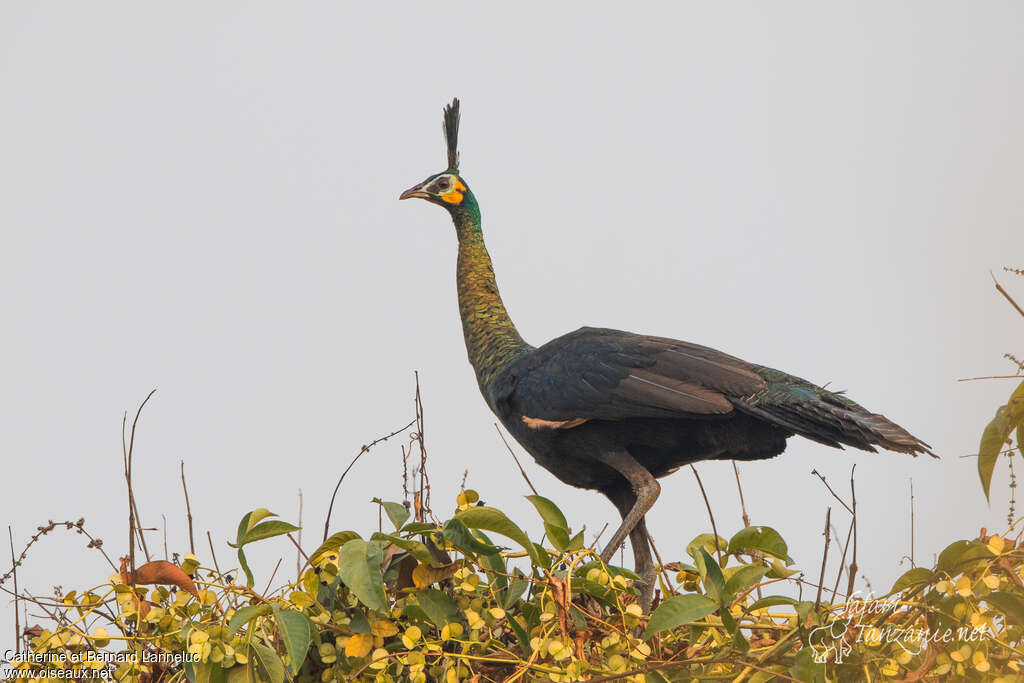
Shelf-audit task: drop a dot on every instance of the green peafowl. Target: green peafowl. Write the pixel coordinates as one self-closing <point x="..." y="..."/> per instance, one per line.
<point x="614" y="411"/>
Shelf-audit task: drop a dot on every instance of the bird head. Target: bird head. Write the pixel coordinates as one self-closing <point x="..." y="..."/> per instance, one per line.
<point x="447" y="188"/>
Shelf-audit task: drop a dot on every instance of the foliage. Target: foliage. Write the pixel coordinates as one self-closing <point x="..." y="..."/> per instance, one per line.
<point x="447" y="602"/>
<point x="1004" y="434"/>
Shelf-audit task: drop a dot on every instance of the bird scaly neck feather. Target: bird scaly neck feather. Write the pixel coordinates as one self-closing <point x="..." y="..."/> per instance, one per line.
<point x="492" y="340"/>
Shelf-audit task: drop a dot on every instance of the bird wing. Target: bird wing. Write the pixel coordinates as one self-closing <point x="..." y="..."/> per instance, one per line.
<point x="600" y="374"/>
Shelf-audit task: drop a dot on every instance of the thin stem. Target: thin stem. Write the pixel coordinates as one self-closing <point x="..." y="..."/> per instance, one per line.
<point x="513" y="454"/>
<point x="743" y="505"/>
<point x="298" y="555"/>
<point x="824" y="556"/>
<point x="852" y="572"/>
<point x="213" y="553"/>
<point x="912" y="563"/>
<point x="188" y="511"/>
<point x="718" y="551"/>
<point x="364" y="449"/>
<point x="14" y="571"/>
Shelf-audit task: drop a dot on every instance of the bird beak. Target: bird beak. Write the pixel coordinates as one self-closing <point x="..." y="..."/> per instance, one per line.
<point x="415" y="191"/>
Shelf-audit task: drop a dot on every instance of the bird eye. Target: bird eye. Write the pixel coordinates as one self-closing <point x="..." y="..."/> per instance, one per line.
<point x="442" y="184"/>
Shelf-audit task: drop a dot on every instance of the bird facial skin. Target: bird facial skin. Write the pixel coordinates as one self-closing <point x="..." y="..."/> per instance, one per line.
<point x="445" y="187"/>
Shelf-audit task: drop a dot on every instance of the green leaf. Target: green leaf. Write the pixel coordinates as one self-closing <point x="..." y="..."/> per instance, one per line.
<point x="459" y="535"/>
<point x="419" y="528"/>
<point x="767" y="675"/>
<point x="332" y="545"/>
<point x="515" y="590"/>
<point x="761" y="538"/>
<point x="960" y="553"/>
<point x="549" y="512"/>
<point x="418" y="550"/>
<point x="1015" y="406"/>
<point x="492" y="519"/>
<point x="208" y="672"/>
<point x="246" y="614"/>
<point x="243" y="526"/>
<point x="543" y="558"/>
<point x="711" y="576"/>
<point x="524" y="640"/>
<point x="559" y="537"/>
<point x="992" y="440"/>
<point x="805" y="669"/>
<point x="249" y="580"/>
<point x="268" y="664"/>
<point x="679" y="610"/>
<point x="297" y="633"/>
<point x="803" y="610"/>
<point x="779" y="571"/>
<point x="1010" y="604"/>
<point x="738" y="640"/>
<point x="359" y="565"/>
<point x="770" y="601"/>
<point x="582" y="570"/>
<point x="359" y="623"/>
<point x="246" y="524"/>
<point x="706" y="541"/>
<point x="438" y="607"/>
<point x="495" y="569"/>
<point x="257" y="515"/>
<point x="911" y="578"/>
<point x="396" y="512"/>
<point x="575" y="543"/>
<point x="268" y="530"/>
<point x="744" y="578"/>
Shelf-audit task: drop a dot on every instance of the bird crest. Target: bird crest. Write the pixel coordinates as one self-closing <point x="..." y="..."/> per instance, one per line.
<point x="451" y="134"/>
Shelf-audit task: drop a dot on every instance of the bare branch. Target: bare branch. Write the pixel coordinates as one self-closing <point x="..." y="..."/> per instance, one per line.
<point x="999" y="288"/>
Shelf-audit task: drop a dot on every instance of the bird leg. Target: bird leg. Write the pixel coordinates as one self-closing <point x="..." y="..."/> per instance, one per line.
<point x="633" y="502"/>
<point x="624" y="499"/>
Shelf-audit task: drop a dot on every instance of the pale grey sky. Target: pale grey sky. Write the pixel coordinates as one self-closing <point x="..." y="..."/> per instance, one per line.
<point x="202" y="198"/>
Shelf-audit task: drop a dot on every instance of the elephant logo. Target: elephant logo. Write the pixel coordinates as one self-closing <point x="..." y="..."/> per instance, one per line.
<point x="830" y="639"/>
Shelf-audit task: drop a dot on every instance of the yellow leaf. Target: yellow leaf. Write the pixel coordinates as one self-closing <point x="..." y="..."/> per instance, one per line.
<point x="381" y="657"/>
<point x="992" y="581"/>
<point x="474" y="619"/>
<point x="99" y="635"/>
<point x="359" y="645"/>
<point x="963" y="586"/>
<point x="996" y="544"/>
<point x="423" y="576"/>
<point x="190" y="563"/>
<point x="383" y="628"/>
<point x="961" y="654"/>
<point x="890" y="668"/>
<point x="454" y="630"/>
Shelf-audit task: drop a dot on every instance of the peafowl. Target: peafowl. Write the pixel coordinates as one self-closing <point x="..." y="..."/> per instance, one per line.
<point x="613" y="411"/>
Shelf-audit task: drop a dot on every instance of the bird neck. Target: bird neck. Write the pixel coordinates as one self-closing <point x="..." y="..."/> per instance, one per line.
<point x="492" y="340"/>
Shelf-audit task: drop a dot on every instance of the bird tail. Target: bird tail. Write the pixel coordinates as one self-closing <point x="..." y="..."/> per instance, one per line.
<point x="831" y="419"/>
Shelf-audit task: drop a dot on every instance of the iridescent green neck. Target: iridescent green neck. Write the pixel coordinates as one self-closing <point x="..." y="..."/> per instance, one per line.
<point x="492" y="341"/>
